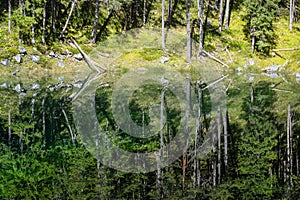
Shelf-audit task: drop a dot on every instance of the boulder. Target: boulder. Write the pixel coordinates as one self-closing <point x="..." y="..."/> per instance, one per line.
<point x="18" y="88"/>
<point x="35" y="86"/>
<point x="4" y="85"/>
<point x="78" y="56"/>
<point x="35" y="58"/>
<point x="22" y="50"/>
<point x="164" y="60"/>
<point x="4" y="62"/>
<point x="18" y="58"/>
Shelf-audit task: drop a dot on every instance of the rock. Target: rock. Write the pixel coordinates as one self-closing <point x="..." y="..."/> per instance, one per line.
<point x="4" y="85"/>
<point x="52" y="54"/>
<point x="78" y="56"/>
<point x="251" y="62"/>
<point x="271" y="75"/>
<point x="35" y="58"/>
<point x="239" y="69"/>
<point x="297" y="77"/>
<point x="22" y="50"/>
<point x="60" y="64"/>
<point x="17" y="58"/>
<point x="35" y="86"/>
<point x="18" y="88"/>
<point x="272" y="68"/>
<point x="4" y="62"/>
<point x="164" y="60"/>
<point x="68" y="52"/>
<point x="77" y="84"/>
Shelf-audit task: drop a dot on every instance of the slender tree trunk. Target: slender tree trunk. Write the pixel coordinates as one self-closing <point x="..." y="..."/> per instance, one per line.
<point x="186" y="129"/>
<point x="70" y="14"/>
<point x="9" y="16"/>
<point x="188" y="31"/>
<point x="163" y="40"/>
<point x="221" y="16"/>
<point x="197" y="137"/>
<point x="44" y="22"/>
<point x="227" y="14"/>
<point x="288" y="145"/>
<point x="292" y="9"/>
<point x="225" y="139"/>
<point x="53" y="17"/>
<point x="170" y="4"/>
<point x="253" y="44"/>
<point x="96" y="20"/>
<point x="200" y="17"/>
<point x="291" y="145"/>
<point x="32" y="25"/>
<point x="44" y="122"/>
<point x="219" y="145"/>
<point x="144" y="12"/>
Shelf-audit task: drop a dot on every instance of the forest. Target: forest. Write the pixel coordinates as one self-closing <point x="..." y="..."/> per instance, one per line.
<point x="201" y="95"/>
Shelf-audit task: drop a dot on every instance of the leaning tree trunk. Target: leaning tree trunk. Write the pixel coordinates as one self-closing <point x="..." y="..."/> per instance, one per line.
<point x="200" y="17"/>
<point x="227" y="14"/>
<point x="163" y="40"/>
<point x="188" y="31"/>
<point x="96" y="20"/>
<point x="70" y="14"/>
<point x="9" y="16"/>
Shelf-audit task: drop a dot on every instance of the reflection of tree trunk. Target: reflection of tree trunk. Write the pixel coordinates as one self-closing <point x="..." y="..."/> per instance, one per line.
<point x="94" y="33"/>
<point x="44" y="122"/>
<point x="219" y="145"/>
<point x="9" y="128"/>
<point x="289" y="147"/>
<point x="225" y="139"/>
<point x="186" y="131"/>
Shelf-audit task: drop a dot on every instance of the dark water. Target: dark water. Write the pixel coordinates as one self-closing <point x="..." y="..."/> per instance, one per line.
<point x="54" y="147"/>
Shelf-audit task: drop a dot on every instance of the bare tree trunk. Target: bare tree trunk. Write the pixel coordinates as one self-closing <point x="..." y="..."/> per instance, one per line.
<point x="188" y="31"/>
<point x="297" y="162"/>
<point x="44" y="22"/>
<point x="219" y="145"/>
<point x="53" y="18"/>
<point x="186" y="129"/>
<point x="288" y="145"/>
<point x="221" y="16"/>
<point x="253" y="44"/>
<point x="227" y="14"/>
<point x="44" y="122"/>
<point x="163" y="40"/>
<point x="200" y="17"/>
<point x="291" y="145"/>
<point x="32" y="25"/>
<point x="9" y="16"/>
<point x="70" y="14"/>
<point x="96" y="20"/>
<point x="292" y="10"/>
<point x="144" y="12"/>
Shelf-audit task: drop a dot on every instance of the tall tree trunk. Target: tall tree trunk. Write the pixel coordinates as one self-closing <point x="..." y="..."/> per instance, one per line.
<point x="219" y="144"/>
<point x="292" y="10"/>
<point x="44" y="123"/>
<point x="144" y="12"/>
<point x="96" y="20"/>
<point x="221" y="16"/>
<point x="53" y="17"/>
<point x="288" y="145"/>
<point x="188" y="31"/>
<point x="186" y="131"/>
<point x="9" y="16"/>
<point x="68" y="19"/>
<point x="32" y="25"/>
<point x="200" y="17"/>
<point x="253" y="44"/>
<point x="44" y="22"/>
<point x="227" y="14"/>
<point x="170" y="4"/>
<point x="163" y="40"/>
